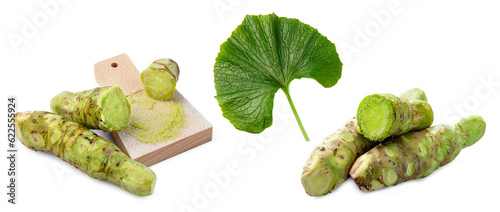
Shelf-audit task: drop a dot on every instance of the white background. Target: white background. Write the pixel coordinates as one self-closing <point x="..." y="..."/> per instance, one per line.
<point x="450" y="49"/>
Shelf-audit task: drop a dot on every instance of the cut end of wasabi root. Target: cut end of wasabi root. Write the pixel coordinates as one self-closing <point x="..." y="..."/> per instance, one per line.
<point x="160" y="78"/>
<point x="115" y="115"/>
<point x="105" y="108"/>
<point x="379" y="114"/>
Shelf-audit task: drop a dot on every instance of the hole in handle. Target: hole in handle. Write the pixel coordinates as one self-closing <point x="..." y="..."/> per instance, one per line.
<point x="114" y="65"/>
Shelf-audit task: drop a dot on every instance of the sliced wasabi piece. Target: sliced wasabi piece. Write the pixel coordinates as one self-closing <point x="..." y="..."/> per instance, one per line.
<point x="381" y="116"/>
<point x="160" y="78"/>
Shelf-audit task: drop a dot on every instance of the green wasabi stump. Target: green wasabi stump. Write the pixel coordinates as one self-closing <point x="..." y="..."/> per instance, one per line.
<point x="381" y="116"/>
<point x="105" y="108"/>
<point x="80" y="147"/>
<point x="416" y="154"/>
<point x="160" y="78"/>
<point x="329" y="163"/>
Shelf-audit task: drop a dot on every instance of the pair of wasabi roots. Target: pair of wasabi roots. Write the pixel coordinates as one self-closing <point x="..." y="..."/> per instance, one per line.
<point x="332" y="160"/>
<point x="80" y="147"/>
<point x="418" y="151"/>
<point x="329" y="164"/>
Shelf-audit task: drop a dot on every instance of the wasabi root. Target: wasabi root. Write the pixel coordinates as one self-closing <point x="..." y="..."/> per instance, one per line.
<point x="160" y="78"/>
<point x="381" y="116"/>
<point x="105" y="108"/>
<point x="329" y="163"/>
<point x="80" y="147"/>
<point x="416" y="154"/>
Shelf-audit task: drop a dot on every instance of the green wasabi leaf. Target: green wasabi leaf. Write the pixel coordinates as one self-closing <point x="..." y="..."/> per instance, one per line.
<point x="264" y="54"/>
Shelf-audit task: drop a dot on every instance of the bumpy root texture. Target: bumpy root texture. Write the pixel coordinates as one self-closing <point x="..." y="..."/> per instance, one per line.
<point x="416" y="154"/>
<point x="160" y="78"/>
<point x="329" y="163"/>
<point x="105" y="108"/>
<point x="80" y="147"/>
<point x="381" y="116"/>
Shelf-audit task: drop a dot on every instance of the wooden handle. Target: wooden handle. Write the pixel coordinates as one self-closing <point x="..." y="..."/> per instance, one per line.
<point x="119" y="71"/>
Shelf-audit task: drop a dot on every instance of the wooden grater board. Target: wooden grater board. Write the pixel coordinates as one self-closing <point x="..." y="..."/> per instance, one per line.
<point x="121" y="71"/>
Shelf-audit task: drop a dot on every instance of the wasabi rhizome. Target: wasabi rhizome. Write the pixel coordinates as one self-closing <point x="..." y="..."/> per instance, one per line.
<point x="416" y="154"/>
<point x="103" y="108"/>
<point x="82" y="148"/>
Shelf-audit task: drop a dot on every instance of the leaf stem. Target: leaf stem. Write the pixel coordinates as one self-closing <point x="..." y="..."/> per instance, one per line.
<point x="287" y="93"/>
